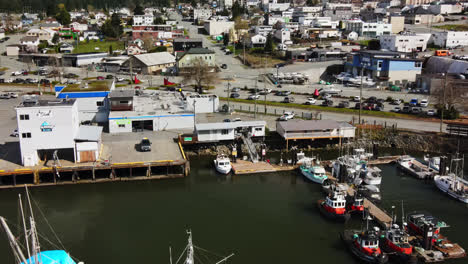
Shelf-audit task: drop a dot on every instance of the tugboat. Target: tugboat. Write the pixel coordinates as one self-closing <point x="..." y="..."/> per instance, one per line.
<point x="315" y="173"/>
<point x="334" y="206"/>
<point x="396" y="242"/>
<point x="222" y="164"/>
<point x="364" y="245"/>
<point x="417" y="220"/>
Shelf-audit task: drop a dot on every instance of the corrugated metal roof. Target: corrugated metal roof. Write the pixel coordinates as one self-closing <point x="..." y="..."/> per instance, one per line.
<point x="303" y="125"/>
<point x="89" y="133"/>
<point x="445" y="65"/>
<point x="150" y="59"/>
<point x="229" y="125"/>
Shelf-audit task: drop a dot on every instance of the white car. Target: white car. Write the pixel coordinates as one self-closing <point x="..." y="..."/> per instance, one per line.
<point x="14" y="133"/>
<point x="326" y="96"/>
<point x="430" y="112"/>
<point x="254" y="97"/>
<point x="13" y="95"/>
<point x="310" y="101"/>
<point x="16" y="73"/>
<point x="4" y="96"/>
<point x="356" y="98"/>
<point x="9" y="80"/>
<point x="396" y="109"/>
<point x="287" y="116"/>
<point x="120" y="79"/>
<point x="424" y="103"/>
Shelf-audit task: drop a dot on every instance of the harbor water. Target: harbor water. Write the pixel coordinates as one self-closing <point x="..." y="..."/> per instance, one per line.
<point x="261" y="218"/>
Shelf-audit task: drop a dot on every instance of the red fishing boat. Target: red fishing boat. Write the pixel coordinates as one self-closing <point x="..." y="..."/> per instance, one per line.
<point x="395" y="241"/>
<point x="365" y="246"/>
<point x="356" y="204"/>
<point x="334" y="206"/>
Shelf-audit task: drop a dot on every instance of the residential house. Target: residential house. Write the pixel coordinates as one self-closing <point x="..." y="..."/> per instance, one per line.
<point x="368" y="30"/>
<point x="450" y="39"/>
<point x="338" y="11"/>
<point x="419" y="15"/>
<point x="324" y="22"/>
<point x="384" y="65"/>
<point x="156" y="32"/>
<point x="255" y="41"/>
<point x="218" y="27"/>
<point x="262" y="30"/>
<point x="184" y="44"/>
<point x="186" y="59"/>
<point x="446" y="9"/>
<point x="405" y="42"/>
<point x="202" y="13"/>
<point x="90" y="34"/>
<point x="319" y="33"/>
<point x="13" y="25"/>
<point x="66" y="48"/>
<point x="134" y="49"/>
<point x="76" y="26"/>
<point x="306" y="11"/>
<point x="282" y="35"/>
<point x="398" y="23"/>
<point x="150" y="63"/>
<point x="100" y="16"/>
<point x="143" y="20"/>
<point x="30" y="42"/>
<point x="273" y="19"/>
<point x="275" y="7"/>
<point x="415" y="2"/>
<point x="51" y="25"/>
<point x="42" y="34"/>
<point x="226" y="4"/>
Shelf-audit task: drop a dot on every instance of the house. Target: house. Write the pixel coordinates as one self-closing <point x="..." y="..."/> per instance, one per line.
<point x="150" y="63"/>
<point x="90" y="34"/>
<point x="51" y="25"/>
<point x="226" y="4"/>
<point x="224" y="131"/>
<point x="338" y="12"/>
<point x="282" y="35"/>
<point x="415" y="2"/>
<point x="398" y="23"/>
<point x="384" y="65"/>
<point x="419" y="15"/>
<point x="83" y="59"/>
<point x="368" y="30"/>
<point x="13" y="50"/>
<point x="42" y="34"/>
<point x="218" y="27"/>
<point x="307" y="11"/>
<point x="143" y="20"/>
<point x="450" y="39"/>
<point x="66" y="48"/>
<point x="405" y="42"/>
<point x="315" y="55"/>
<point x="273" y="19"/>
<point x="314" y="129"/>
<point x="446" y="9"/>
<point x="100" y="16"/>
<point x="275" y="7"/>
<point x="202" y="13"/>
<point x="255" y="41"/>
<point x="319" y="33"/>
<point x="263" y="30"/>
<point x="47" y="126"/>
<point x="186" y="59"/>
<point x="78" y="26"/>
<point x="183" y="44"/>
<point x="156" y="32"/>
<point x="134" y="49"/>
<point x="30" y="42"/>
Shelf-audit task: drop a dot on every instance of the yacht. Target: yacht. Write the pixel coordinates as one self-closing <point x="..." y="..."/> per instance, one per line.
<point x="222" y="164"/>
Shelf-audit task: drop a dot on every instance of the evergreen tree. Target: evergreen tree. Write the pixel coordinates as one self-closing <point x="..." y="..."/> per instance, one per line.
<point x="63" y="17"/>
<point x="111" y="50"/>
<point x="269" y="44"/>
<point x="226" y="39"/>
<point x="138" y="10"/>
<point x="51" y="8"/>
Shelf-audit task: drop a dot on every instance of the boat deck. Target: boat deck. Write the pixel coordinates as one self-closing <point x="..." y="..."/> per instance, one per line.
<point x="449" y="249"/>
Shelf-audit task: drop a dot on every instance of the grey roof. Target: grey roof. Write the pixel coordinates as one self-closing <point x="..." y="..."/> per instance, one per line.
<point x="33" y="101"/>
<point x="121" y="93"/>
<point x="200" y="51"/>
<point x="150" y="59"/>
<point x="89" y="133"/>
<point x="445" y="65"/>
<point x="304" y="125"/>
<point x="228" y="125"/>
<point x="187" y="40"/>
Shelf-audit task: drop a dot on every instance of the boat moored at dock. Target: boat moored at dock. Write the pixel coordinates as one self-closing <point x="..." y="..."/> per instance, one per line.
<point x="414" y="168"/>
<point x="364" y="245"/>
<point x="314" y="172"/>
<point x="453" y="184"/>
<point x="222" y="164"/>
<point x="334" y="206"/>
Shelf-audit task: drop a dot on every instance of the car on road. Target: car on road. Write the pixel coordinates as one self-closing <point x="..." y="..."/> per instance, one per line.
<point x="310" y="101"/>
<point x="356" y="98"/>
<point x="326" y="96"/>
<point x="16" y="73"/>
<point x="70" y="75"/>
<point x="235" y="95"/>
<point x="4" y="96"/>
<point x="430" y="112"/>
<point x="100" y="77"/>
<point x="223" y="66"/>
<point x="283" y="93"/>
<point x="253" y="97"/>
<point x="343" y="104"/>
<point x="237" y="119"/>
<point x="14" y="133"/>
<point x="329" y="91"/>
<point x="227" y="120"/>
<point x="424" y="103"/>
<point x="235" y="89"/>
<point x="265" y="91"/>
<point x="287" y="116"/>
<point x="145" y="144"/>
<point x="288" y="99"/>
<point x="396" y="109"/>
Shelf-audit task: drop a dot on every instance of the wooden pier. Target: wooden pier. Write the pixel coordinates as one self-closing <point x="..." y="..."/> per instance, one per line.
<point x="383" y="160"/>
<point x="380" y="216"/>
<point x="247" y="167"/>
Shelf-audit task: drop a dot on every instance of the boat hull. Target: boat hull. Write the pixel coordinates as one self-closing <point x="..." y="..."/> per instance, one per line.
<point x="311" y="176"/>
<point x="347" y="237"/>
<point x="336" y="217"/>
<point x="222" y="169"/>
<point x="373" y="181"/>
<point x="445" y="188"/>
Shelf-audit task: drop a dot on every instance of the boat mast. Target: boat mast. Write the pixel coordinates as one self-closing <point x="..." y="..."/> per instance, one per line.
<point x="402" y="214"/>
<point x="35" y="247"/>
<point x="14" y="245"/>
<point x="224" y="259"/>
<point x="24" y="226"/>
<point x="189" y="259"/>
<point x="170" y="255"/>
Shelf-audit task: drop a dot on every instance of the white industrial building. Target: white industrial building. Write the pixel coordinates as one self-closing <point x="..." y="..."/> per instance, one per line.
<point x="157" y="111"/>
<point x="202" y="13"/>
<point x="450" y="39"/>
<point x="405" y="42"/>
<point x="218" y="27"/>
<point x="214" y="132"/>
<point x="370" y="30"/>
<point x="48" y="125"/>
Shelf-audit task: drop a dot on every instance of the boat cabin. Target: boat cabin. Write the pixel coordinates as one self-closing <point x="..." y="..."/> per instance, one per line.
<point x="369" y="242"/>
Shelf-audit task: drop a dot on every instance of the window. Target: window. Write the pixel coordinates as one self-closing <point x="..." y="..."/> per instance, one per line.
<point x="224" y="132"/>
<point x="24" y="117"/>
<point x="417" y="64"/>
<point x="400" y="40"/>
<point x="124" y="102"/>
<point x="26" y="135"/>
<point x="379" y="64"/>
<point x="258" y="129"/>
<point x="100" y="103"/>
<point x="121" y="125"/>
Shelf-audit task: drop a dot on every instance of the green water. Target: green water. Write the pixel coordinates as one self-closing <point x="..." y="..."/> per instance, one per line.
<point x="268" y="218"/>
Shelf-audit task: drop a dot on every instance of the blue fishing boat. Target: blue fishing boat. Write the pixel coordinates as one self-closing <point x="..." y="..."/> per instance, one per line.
<point x="315" y="173"/>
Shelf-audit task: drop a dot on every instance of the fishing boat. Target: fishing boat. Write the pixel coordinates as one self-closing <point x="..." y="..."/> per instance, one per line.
<point x="34" y="254"/>
<point x="371" y="192"/>
<point x="190" y="254"/>
<point x="222" y="164"/>
<point x="432" y="162"/>
<point x="315" y="173"/>
<point x="415" y="168"/>
<point x="417" y="220"/>
<point x="395" y="242"/>
<point x="364" y="245"/>
<point x="356" y="203"/>
<point x="334" y="206"/>
<point x="372" y="176"/>
<point x="453" y="184"/>
<point x="301" y="158"/>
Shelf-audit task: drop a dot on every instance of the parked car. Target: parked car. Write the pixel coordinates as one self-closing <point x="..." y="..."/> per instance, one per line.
<point x="396" y="109"/>
<point x="283" y="93"/>
<point x="424" y="103"/>
<point x="413" y="102"/>
<point x="235" y="95"/>
<point x="356" y="98"/>
<point x="120" y="79"/>
<point x="223" y="66"/>
<point x="4" y="96"/>
<point x="372" y="99"/>
<point x="287" y="116"/>
<point x="416" y="110"/>
<point x="343" y="104"/>
<point x="2" y="80"/>
<point x="14" y="133"/>
<point x="326" y="96"/>
<point x="12" y="95"/>
<point x="430" y="112"/>
<point x="357" y="106"/>
<point x="235" y="89"/>
<point x="16" y="73"/>
<point x="227" y="120"/>
<point x="44" y="81"/>
<point x="145" y="144"/>
<point x="70" y="75"/>
<point x="378" y="107"/>
<point x="396" y="102"/>
<point x="310" y="101"/>
<point x="100" y="77"/>
<point x="237" y="119"/>
<point x="265" y="91"/>
<point x="405" y="109"/>
<point x="253" y="97"/>
<point x="109" y="76"/>
<point x="18" y="80"/>
<point x="327" y="103"/>
<point x="288" y="99"/>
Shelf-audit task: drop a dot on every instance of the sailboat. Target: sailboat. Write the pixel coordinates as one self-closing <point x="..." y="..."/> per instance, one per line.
<point x="190" y="252"/>
<point x="33" y="248"/>
<point x="453" y="184"/>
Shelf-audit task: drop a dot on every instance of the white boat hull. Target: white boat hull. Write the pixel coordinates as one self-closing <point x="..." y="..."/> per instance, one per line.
<point x="373" y="180"/>
<point x="225" y="169"/>
<point x="445" y="187"/>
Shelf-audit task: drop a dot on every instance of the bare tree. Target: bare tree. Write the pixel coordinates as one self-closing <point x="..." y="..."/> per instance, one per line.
<point x="199" y="73"/>
<point x="451" y="95"/>
<point x="148" y="42"/>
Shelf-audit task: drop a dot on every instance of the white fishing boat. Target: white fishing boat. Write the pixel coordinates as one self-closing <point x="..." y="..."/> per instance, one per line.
<point x="432" y="162"/>
<point x="302" y="159"/>
<point x="222" y="164"/>
<point x="34" y="254"/>
<point x="190" y="254"/>
<point x="453" y="184"/>
<point x="313" y="172"/>
<point x="372" y="176"/>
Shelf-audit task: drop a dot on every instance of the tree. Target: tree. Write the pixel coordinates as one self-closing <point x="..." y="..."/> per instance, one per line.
<point x="148" y="41"/>
<point x="43" y="44"/>
<point x="374" y="44"/>
<point x="111" y="51"/>
<point x="447" y="97"/>
<point x="240" y="24"/>
<point x="55" y="38"/>
<point x="112" y="27"/>
<point x="199" y="73"/>
<point x="51" y="8"/>
<point x="159" y="21"/>
<point x="237" y="10"/>
<point x="269" y="44"/>
<point x="63" y="17"/>
<point x="226" y="39"/>
<point x="138" y="10"/>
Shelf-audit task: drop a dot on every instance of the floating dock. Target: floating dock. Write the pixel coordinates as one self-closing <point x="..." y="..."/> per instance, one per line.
<point x="247" y="167"/>
<point x="379" y="215"/>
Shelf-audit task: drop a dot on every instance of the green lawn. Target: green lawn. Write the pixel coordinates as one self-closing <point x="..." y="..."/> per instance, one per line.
<point x="454" y="27"/>
<point x="102" y="45"/>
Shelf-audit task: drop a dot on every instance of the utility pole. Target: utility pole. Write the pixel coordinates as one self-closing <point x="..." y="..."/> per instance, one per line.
<point x="243" y="40"/>
<point x="256" y="93"/>
<point x="264" y="86"/>
<point x="228" y="95"/>
<point x="443" y="103"/>
<point x="131" y="73"/>
<point x="360" y="93"/>
<point x="194" y="115"/>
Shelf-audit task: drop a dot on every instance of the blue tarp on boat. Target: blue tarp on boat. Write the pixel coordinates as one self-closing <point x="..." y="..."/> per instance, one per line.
<point x="52" y="257"/>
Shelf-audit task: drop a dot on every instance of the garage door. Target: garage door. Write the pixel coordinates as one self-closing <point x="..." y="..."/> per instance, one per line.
<point x="87" y="156"/>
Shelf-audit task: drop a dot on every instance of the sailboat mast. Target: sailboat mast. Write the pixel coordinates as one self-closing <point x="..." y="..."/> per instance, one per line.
<point x="189" y="259"/>
<point x="36" y="249"/>
<point x="24" y="226"/>
<point x="14" y="245"/>
<point x="170" y="255"/>
<point x="402" y="214"/>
